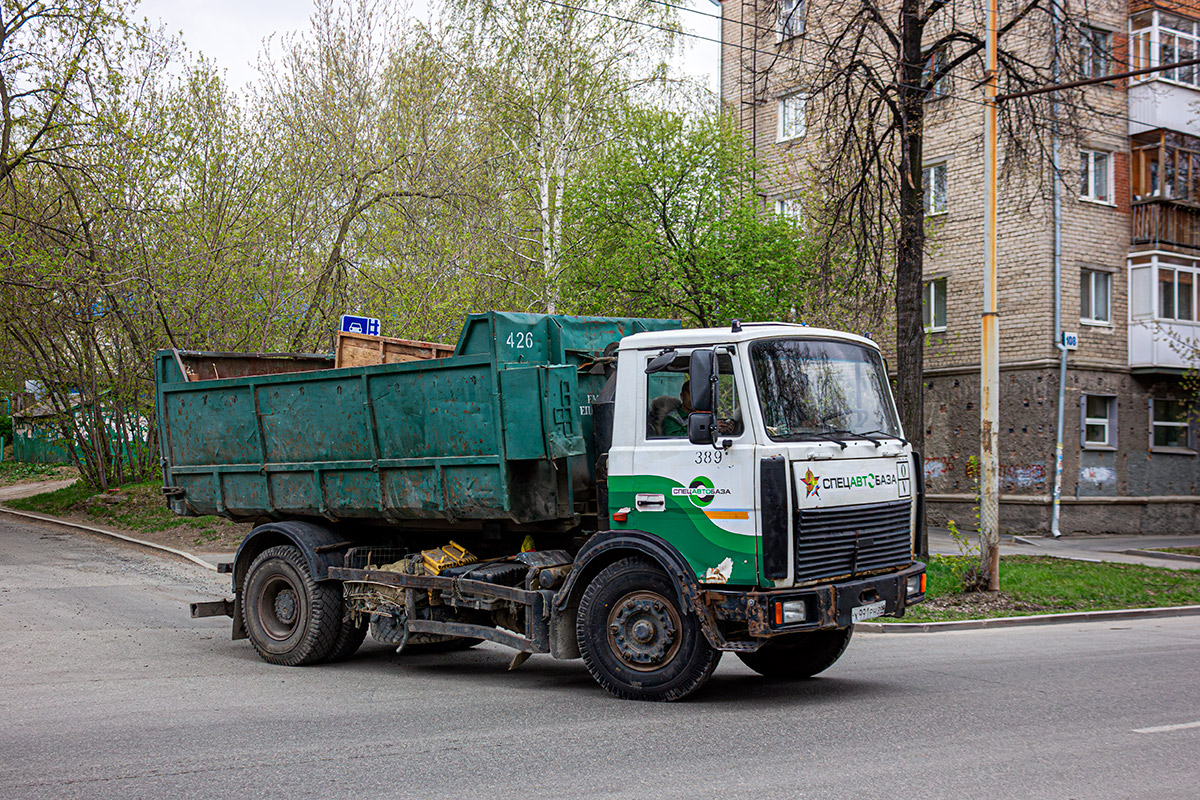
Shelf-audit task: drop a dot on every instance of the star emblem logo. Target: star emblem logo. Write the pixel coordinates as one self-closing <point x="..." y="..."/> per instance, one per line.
<point x="810" y="484"/>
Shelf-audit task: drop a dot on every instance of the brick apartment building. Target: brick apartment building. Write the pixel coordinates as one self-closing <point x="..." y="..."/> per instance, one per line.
<point x="1130" y="261"/>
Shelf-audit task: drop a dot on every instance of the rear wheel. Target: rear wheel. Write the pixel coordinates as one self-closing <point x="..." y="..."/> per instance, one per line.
<point x="798" y="655"/>
<point x="636" y="640"/>
<point x="290" y="618"/>
<point x="349" y="638"/>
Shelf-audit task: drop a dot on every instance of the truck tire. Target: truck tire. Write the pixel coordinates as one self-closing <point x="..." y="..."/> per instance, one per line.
<point x="636" y="640"/>
<point x="349" y="638"/>
<point x="799" y="655"/>
<point x="290" y="618"/>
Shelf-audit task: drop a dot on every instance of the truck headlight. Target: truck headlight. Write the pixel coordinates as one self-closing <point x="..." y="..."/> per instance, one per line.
<point x="915" y="585"/>
<point x="790" y="612"/>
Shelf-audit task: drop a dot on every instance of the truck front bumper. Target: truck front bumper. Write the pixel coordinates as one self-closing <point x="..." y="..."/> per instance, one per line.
<point x="833" y="605"/>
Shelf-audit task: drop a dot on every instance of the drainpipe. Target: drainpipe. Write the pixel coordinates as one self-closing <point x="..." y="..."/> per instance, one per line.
<point x="1056" y="179"/>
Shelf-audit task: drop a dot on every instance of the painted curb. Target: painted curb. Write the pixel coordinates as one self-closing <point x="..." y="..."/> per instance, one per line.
<point x="1033" y="619"/>
<point x="1162" y="555"/>
<point x="151" y="545"/>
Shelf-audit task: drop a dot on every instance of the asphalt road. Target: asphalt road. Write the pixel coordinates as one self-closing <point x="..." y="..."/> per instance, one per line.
<point x="110" y="690"/>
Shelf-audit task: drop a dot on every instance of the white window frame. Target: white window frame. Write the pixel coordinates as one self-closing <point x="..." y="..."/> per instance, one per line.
<point x="1087" y="177"/>
<point x="789" y="19"/>
<point x="929" y="293"/>
<point x="1089" y="282"/>
<point x="791" y="126"/>
<point x="790" y="208"/>
<point x="931" y="200"/>
<point x="1091" y="37"/>
<point x="1188" y="447"/>
<point x="1108" y="421"/>
<point x="1175" y="270"/>
<point x="1159" y="41"/>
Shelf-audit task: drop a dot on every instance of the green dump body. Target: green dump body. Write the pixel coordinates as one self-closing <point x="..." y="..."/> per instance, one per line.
<point x="501" y="430"/>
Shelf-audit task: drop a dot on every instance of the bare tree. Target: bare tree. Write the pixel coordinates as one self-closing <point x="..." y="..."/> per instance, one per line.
<point x="868" y="69"/>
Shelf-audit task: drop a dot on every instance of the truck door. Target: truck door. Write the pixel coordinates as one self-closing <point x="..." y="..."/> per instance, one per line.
<point x="699" y="498"/>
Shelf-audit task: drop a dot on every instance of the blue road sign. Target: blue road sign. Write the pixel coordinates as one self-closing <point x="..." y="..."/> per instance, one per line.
<point x="367" y="325"/>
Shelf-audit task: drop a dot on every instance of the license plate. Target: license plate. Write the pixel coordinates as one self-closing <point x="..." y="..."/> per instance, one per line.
<point x="869" y="611"/>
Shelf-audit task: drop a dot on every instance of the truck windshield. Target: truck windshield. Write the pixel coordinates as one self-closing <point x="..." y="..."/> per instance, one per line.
<point x="810" y="387"/>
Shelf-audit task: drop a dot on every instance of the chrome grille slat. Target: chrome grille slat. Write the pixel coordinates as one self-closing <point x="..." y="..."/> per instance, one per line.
<point x="852" y="540"/>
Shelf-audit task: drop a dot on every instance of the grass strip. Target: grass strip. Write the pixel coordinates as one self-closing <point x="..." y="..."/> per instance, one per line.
<point x="137" y="507"/>
<point x="1183" y="551"/>
<point x="12" y="472"/>
<point x="1046" y="585"/>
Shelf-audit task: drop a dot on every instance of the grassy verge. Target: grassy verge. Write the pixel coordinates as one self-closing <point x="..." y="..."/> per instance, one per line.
<point x="1044" y="585"/>
<point x="13" y="472"/>
<point x="1183" y="551"/>
<point x="134" y="507"/>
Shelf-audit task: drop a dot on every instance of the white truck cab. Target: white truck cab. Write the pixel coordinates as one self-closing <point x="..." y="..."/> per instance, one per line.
<point x="796" y="470"/>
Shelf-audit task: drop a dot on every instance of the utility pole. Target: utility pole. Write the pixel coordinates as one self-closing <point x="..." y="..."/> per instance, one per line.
<point x="989" y="361"/>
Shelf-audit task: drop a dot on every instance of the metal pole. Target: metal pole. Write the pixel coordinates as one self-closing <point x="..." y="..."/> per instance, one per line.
<point x="1056" y="177"/>
<point x="989" y="362"/>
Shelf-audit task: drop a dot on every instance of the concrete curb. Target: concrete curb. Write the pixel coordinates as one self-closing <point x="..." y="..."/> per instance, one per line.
<point x="862" y="627"/>
<point x="1162" y="555"/>
<point x="1033" y="619"/>
<point x="151" y="545"/>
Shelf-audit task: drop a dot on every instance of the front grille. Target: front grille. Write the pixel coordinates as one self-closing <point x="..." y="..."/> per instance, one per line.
<point x="852" y="540"/>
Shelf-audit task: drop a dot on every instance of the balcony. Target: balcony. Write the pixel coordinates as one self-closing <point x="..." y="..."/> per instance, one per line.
<point x="1162" y="222"/>
<point x="1164" y="330"/>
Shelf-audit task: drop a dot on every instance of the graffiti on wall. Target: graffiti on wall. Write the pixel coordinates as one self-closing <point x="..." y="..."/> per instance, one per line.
<point x="1098" y="476"/>
<point x="1023" y="476"/>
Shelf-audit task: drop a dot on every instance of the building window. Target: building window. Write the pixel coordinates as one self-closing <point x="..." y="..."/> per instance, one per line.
<point x="1168" y="424"/>
<point x="789" y="20"/>
<point x="934" y="178"/>
<point x="1095" y="290"/>
<point x="1095" y="176"/>
<point x="1095" y="52"/>
<point x="935" y="65"/>
<point x="1176" y="294"/>
<point x="1160" y="37"/>
<point x="1099" y="421"/>
<point x="789" y="207"/>
<point x="933" y="305"/>
<point x="791" y="116"/>
<point x="1165" y="164"/>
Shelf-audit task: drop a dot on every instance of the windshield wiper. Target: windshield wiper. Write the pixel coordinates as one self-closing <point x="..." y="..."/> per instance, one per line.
<point x="867" y="435"/>
<point x="828" y="435"/>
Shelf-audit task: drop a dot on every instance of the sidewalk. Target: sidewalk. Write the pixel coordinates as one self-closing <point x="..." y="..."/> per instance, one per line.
<point x="1114" y="549"/>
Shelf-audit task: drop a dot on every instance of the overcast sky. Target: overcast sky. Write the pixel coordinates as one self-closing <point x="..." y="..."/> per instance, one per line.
<point x="231" y="32"/>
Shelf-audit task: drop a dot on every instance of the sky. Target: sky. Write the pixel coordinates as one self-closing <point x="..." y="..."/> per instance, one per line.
<point x="231" y="32"/>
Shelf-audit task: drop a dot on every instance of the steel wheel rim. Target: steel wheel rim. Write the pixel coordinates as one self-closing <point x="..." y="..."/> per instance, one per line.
<point x="280" y="608"/>
<point x="644" y="630"/>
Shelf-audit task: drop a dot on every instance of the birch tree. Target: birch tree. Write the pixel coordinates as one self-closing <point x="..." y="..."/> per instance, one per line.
<point x="554" y="77"/>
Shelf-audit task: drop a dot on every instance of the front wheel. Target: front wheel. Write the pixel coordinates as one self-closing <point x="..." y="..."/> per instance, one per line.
<point x="290" y="618"/>
<point x="636" y="640"/>
<point x="798" y="655"/>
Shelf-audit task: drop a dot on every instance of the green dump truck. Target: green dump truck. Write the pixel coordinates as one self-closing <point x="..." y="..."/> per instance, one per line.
<point x="620" y="490"/>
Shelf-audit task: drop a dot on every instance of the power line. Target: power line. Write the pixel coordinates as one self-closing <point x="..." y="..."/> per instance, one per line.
<point x="788" y="57"/>
<point x="808" y="37"/>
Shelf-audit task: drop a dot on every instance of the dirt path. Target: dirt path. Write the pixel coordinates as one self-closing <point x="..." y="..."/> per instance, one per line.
<point x="18" y="490"/>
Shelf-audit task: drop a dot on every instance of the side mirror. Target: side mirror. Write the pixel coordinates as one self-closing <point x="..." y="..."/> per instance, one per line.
<point x="702" y="427"/>
<point x="702" y="374"/>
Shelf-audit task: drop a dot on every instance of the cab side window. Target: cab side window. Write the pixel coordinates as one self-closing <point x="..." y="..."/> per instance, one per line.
<point x="666" y="417"/>
<point x="669" y="401"/>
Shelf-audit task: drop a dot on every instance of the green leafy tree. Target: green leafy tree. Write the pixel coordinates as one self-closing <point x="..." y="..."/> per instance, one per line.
<point x="674" y="226"/>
